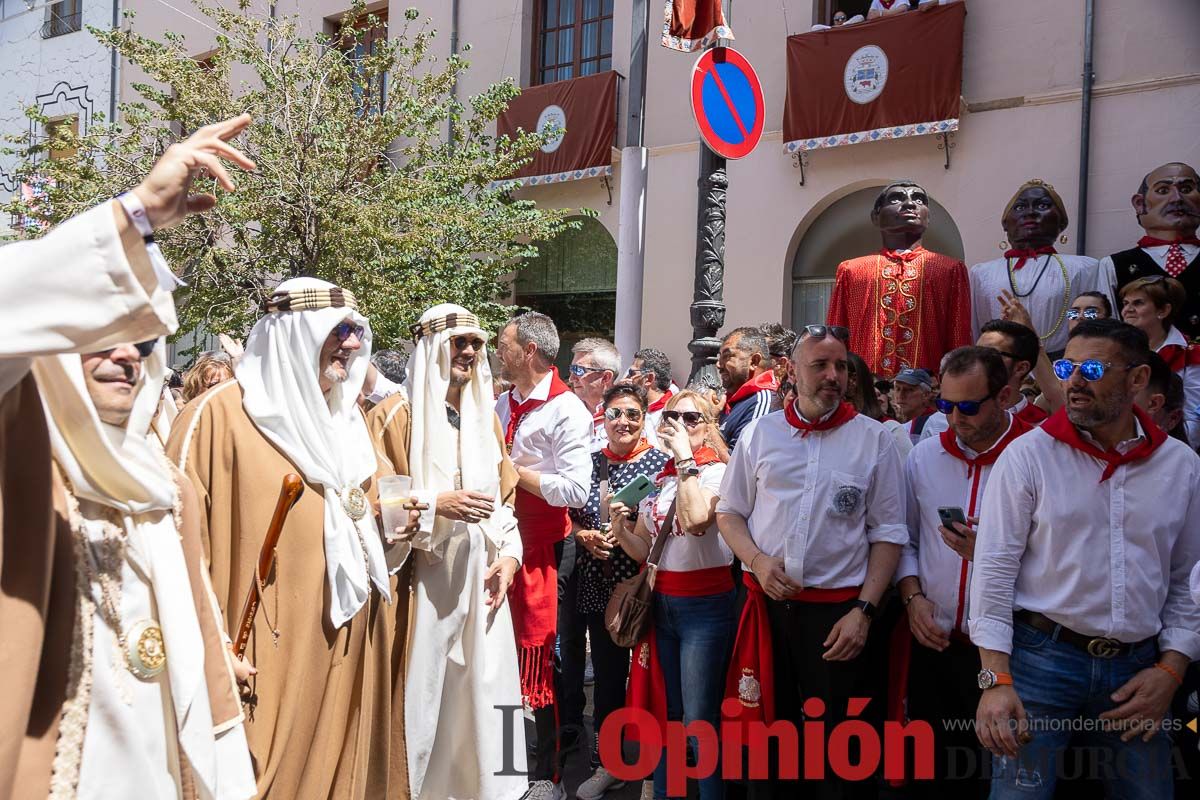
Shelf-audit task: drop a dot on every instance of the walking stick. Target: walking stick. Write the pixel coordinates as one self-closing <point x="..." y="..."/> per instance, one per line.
<point x="289" y="493"/>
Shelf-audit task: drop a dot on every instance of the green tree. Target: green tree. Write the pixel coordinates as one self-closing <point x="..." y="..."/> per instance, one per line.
<point x="358" y="179"/>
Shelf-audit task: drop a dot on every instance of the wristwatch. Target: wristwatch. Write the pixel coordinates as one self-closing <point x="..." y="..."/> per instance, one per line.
<point x="867" y="607"/>
<point x="988" y="679"/>
<point x="688" y="467"/>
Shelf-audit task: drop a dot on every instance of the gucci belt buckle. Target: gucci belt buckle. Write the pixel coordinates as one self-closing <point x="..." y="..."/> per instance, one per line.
<point x="1102" y="647"/>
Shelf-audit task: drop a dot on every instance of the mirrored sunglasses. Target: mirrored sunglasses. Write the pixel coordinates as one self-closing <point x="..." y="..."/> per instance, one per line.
<point x="1087" y="313"/>
<point x="343" y="330"/>
<point x="613" y="413"/>
<point x="579" y="370"/>
<point x="690" y="418"/>
<point x="1091" y="369"/>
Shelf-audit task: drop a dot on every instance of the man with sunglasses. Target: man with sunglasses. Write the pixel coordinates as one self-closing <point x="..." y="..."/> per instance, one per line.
<point x="651" y="370"/>
<point x="905" y="306"/>
<point x="324" y="635"/>
<point x="813" y="504"/>
<point x="951" y="471"/>
<point x="595" y="364"/>
<point x="92" y="282"/>
<point x="1167" y="205"/>
<point x="1079" y="599"/>
<point x="461" y="672"/>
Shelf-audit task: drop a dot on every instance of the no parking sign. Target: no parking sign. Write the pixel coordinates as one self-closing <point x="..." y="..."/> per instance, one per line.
<point x="727" y="102"/>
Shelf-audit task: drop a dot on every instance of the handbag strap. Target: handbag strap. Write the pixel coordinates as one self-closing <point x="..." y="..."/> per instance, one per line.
<point x="603" y="471"/>
<point x="664" y="533"/>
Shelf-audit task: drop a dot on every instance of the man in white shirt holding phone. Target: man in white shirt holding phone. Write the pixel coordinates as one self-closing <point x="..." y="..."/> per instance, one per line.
<point x="813" y="504"/>
<point x="946" y="476"/>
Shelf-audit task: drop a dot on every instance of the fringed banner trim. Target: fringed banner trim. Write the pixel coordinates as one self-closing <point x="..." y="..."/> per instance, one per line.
<point x="537" y="675"/>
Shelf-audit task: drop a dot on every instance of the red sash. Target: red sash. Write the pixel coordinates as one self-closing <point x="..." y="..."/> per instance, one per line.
<point x="1060" y="427"/>
<point x="762" y="382"/>
<point x="750" y="681"/>
<point x="844" y="413"/>
<point x="518" y="410"/>
<point x="694" y="582"/>
<point x="1024" y="255"/>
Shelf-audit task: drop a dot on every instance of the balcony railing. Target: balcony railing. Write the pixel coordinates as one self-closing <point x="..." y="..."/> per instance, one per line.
<point x="59" y="25"/>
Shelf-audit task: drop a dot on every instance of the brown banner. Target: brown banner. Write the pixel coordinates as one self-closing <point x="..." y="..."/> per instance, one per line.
<point x="691" y="25"/>
<point x="886" y="78"/>
<point x="586" y="108"/>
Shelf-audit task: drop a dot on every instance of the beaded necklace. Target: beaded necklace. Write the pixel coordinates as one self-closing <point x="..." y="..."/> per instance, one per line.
<point x="1066" y="301"/>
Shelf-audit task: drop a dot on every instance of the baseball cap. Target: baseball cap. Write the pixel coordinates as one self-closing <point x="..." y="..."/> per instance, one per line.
<point x="915" y="377"/>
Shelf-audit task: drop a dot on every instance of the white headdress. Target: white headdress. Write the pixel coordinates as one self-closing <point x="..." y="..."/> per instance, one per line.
<point x="433" y="459"/>
<point x="324" y="436"/>
<point x="125" y="469"/>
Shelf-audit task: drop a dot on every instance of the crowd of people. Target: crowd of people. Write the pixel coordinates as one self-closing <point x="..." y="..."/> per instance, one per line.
<point x="969" y="498"/>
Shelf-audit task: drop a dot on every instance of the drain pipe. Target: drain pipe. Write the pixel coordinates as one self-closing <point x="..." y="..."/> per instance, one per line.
<point x="1085" y="132"/>
<point x="113" y="64"/>
<point x="453" y="52"/>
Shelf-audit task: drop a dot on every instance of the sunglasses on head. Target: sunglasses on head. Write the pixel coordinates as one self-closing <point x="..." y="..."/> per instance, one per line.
<point x="839" y="332"/>
<point x="343" y="330"/>
<point x="1087" y="313"/>
<point x="1091" y="369"/>
<point x="579" y="370"/>
<point x="613" y="413"/>
<point x="690" y="418"/>
<point x="968" y="408"/>
<point x="462" y="342"/>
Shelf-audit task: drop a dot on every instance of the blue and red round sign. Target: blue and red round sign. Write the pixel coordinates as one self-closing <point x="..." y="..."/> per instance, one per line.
<point x="727" y="102"/>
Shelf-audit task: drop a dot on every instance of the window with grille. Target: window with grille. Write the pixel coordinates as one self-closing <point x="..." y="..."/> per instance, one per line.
<point x="65" y="16"/>
<point x="371" y="93"/>
<point x="572" y="38"/>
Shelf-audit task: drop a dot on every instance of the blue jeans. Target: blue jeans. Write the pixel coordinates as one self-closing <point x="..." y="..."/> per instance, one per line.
<point x="1064" y="691"/>
<point x="694" y="637"/>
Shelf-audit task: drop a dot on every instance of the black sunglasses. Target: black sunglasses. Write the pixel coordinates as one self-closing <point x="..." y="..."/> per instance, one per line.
<point x="690" y="418"/>
<point x="146" y="348"/>
<point x="839" y="332"/>
<point x="461" y="343"/>
<point x="343" y="330"/>
<point x="967" y="408"/>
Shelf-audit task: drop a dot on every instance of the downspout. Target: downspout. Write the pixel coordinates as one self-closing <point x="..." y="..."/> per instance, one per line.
<point x="453" y="52"/>
<point x="1085" y="132"/>
<point x="113" y="67"/>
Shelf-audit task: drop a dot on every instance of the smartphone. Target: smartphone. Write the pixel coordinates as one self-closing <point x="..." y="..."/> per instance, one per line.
<point x="951" y="514"/>
<point x="635" y="491"/>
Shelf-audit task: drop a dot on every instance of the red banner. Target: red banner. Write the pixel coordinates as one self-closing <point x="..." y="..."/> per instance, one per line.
<point x="691" y="25"/>
<point x="885" y="78"/>
<point x="585" y="109"/>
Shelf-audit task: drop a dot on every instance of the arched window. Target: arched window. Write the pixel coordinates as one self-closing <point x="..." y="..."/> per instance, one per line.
<point x="844" y="231"/>
<point x="573" y="280"/>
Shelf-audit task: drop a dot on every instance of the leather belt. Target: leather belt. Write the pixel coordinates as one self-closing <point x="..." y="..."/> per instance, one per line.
<point x="1096" y="646"/>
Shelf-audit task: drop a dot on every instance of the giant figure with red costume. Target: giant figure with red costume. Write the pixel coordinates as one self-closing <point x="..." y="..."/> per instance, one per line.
<point x="905" y="306"/>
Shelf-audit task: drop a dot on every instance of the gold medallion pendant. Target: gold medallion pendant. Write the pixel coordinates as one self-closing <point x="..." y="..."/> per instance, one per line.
<point x="355" y="503"/>
<point x="145" y="651"/>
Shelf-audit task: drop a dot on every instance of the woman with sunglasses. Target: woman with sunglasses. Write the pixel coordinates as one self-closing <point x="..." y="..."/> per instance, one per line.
<point x="601" y="562"/>
<point x="1089" y="305"/>
<point x="862" y="394"/>
<point x="1151" y="305"/>
<point x="693" y="591"/>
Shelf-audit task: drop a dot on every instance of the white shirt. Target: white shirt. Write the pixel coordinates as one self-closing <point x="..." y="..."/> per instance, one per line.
<point x="385" y="388"/>
<point x="1102" y="559"/>
<point x="818" y="501"/>
<point x="935" y="478"/>
<point x="687" y="552"/>
<point x="555" y="440"/>
<point x="899" y="436"/>
<point x="1190" y="374"/>
<point x="1045" y="303"/>
<point x="940" y="422"/>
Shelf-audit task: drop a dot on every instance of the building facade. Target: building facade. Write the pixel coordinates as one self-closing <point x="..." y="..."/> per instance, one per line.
<point x="788" y="225"/>
<point x="48" y="59"/>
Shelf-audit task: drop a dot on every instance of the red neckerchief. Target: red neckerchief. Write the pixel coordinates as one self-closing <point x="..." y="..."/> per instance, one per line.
<point x="639" y="448"/>
<point x="762" y="382"/>
<point x="518" y="410"/>
<point x="843" y="414"/>
<point x="895" y="255"/>
<point x="989" y="456"/>
<point x="704" y="455"/>
<point x="1031" y="414"/>
<point x="660" y="403"/>
<point x="1060" y="427"/>
<point x="1151" y="241"/>
<point x="1180" y="356"/>
<point x="887" y="4"/>
<point x="1023" y="255"/>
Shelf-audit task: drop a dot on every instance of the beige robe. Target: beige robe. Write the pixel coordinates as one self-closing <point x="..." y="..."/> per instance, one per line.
<point x="320" y="727"/>
<point x="463" y="658"/>
<point x="74" y="290"/>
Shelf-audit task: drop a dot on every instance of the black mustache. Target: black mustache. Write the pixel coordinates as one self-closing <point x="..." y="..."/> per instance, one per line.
<point x="1080" y="393"/>
<point x="1182" y="208"/>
